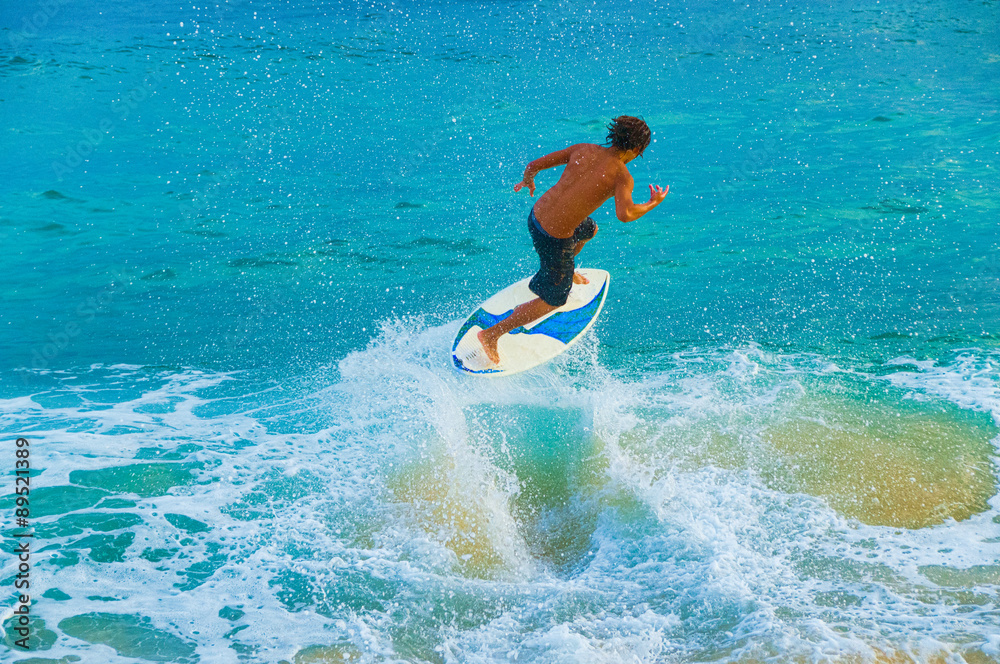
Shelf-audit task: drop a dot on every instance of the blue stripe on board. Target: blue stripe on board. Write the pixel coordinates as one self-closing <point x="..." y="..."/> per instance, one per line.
<point x="562" y="326"/>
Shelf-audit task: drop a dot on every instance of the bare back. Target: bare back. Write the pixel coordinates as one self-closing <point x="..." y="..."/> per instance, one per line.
<point x="588" y="180"/>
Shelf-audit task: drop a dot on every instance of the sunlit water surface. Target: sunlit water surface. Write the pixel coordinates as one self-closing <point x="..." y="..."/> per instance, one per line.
<point x="238" y="242"/>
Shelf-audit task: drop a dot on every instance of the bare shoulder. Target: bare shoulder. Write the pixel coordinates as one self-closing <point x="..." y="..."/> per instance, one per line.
<point x="623" y="176"/>
<point x="584" y="150"/>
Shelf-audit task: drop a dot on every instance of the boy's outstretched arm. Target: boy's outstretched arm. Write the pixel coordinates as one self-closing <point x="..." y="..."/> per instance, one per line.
<point x="625" y="209"/>
<point x="548" y="161"/>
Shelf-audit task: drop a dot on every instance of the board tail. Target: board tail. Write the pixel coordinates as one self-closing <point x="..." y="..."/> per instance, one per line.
<point x="469" y="354"/>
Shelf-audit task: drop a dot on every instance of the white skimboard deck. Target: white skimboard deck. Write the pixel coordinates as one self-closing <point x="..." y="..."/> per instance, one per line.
<point x="528" y="346"/>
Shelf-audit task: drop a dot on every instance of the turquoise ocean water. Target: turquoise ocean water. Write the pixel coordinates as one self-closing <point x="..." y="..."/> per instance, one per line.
<point x="239" y="237"/>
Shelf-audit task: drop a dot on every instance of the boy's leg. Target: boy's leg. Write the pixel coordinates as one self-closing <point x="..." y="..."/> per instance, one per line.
<point x="577" y="277"/>
<point x="522" y="315"/>
<point x="535" y="309"/>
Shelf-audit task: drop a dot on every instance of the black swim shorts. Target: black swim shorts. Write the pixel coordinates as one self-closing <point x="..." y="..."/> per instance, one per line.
<point x="554" y="278"/>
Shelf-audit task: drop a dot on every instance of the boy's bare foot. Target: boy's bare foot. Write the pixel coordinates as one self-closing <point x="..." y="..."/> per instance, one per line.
<point x="580" y="279"/>
<point x="490" y="346"/>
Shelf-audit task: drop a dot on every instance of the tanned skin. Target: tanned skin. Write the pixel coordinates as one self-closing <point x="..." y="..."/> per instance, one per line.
<point x="593" y="174"/>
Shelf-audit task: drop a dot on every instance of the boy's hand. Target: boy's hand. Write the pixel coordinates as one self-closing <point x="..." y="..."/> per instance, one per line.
<point x="528" y="182"/>
<point x="657" y="194"/>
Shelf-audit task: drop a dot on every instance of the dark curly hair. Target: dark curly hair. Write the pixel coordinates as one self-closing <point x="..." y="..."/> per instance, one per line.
<point x="629" y="133"/>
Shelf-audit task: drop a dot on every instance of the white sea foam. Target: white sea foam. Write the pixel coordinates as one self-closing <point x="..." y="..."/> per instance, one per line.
<point x="970" y="380"/>
<point x="326" y="528"/>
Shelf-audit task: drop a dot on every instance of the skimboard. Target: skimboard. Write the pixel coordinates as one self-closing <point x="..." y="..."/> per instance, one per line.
<point x="528" y="346"/>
